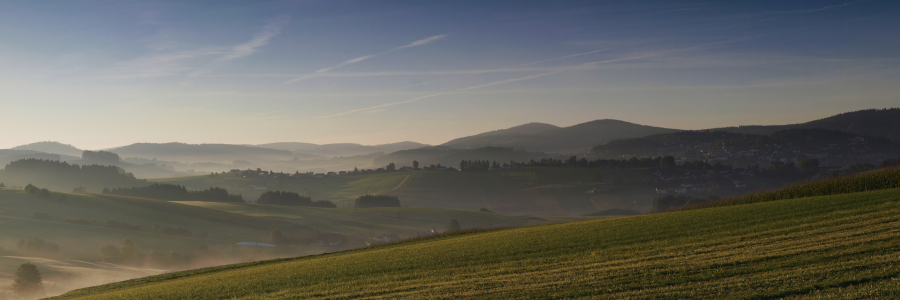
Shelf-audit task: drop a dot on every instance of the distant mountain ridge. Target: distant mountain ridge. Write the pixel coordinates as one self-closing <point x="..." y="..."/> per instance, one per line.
<point x="201" y="152"/>
<point x="550" y="138"/>
<point x="342" y="149"/>
<point x="868" y="122"/>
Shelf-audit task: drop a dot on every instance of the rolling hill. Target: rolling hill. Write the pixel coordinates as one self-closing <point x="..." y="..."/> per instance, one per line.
<point x="213" y="226"/>
<point x="451" y="157"/>
<point x="549" y="138"/>
<point x="841" y="246"/>
<point x="341" y="149"/>
<point x="806" y="140"/>
<point x="201" y="152"/>
<point x="869" y="122"/>
<point x="51" y="147"/>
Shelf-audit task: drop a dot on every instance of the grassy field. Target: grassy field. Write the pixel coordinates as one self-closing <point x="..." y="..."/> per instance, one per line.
<point x="841" y="246"/>
<point x="60" y="276"/>
<point x="224" y="224"/>
<point x="404" y="221"/>
<point x="544" y="191"/>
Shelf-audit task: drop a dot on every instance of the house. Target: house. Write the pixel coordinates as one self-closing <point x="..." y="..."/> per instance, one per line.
<point x="660" y="191"/>
<point x="257" y="187"/>
<point x="739" y="184"/>
<point x="342" y="173"/>
<point x="681" y="190"/>
<point x="235" y="171"/>
<point x="330" y="239"/>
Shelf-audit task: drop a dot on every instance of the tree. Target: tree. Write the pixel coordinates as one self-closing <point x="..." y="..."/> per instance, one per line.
<point x="2" y="185"/>
<point x="79" y="190"/>
<point x="667" y="162"/>
<point x="28" y="281"/>
<point x="129" y="251"/>
<point x="390" y="167"/>
<point x="415" y="165"/>
<point x="276" y="237"/>
<point x="109" y="253"/>
<point x="453" y="226"/>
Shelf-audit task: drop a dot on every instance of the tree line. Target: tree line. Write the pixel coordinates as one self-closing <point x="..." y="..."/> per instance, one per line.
<point x="173" y="192"/>
<point x="62" y="176"/>
<point x="291" y="199"/>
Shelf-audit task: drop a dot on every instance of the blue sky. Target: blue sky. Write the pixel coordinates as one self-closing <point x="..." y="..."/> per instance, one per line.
<point x="99" y="74"/>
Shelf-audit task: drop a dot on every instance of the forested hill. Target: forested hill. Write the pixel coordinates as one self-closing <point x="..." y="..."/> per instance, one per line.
<point x="451" y="157"/>
<point x="871" y="122"/>
<point x="201" y="152"/>
<point x="549" y="138"/>
<point x="342" y="149"/>
<point x="63" y="177"/>
<point x="51" y="147"/>
<point x="691" y="143"/>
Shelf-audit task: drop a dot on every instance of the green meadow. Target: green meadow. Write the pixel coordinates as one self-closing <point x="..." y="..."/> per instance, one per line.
<point x="524" y="191"/>
<point x="839" y="246"/>
<point x="222" y="225"/>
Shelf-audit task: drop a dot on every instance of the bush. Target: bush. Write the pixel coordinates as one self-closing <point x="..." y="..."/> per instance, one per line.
<point x="284" y="198"/>
<point x="171" y="192"/>
<point x="37" y="247"/>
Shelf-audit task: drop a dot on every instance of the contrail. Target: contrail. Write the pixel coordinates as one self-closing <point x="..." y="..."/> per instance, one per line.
<point x="417" y="43"/>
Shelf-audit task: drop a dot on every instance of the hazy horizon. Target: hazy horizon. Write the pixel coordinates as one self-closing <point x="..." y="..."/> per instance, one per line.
<point x="98" y="75"/>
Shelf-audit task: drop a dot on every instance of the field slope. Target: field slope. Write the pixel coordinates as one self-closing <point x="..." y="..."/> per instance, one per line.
<point x="841" y="246"/>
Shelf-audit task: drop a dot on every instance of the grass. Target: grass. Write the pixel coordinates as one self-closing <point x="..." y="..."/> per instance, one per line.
<point x="404" y="221"/>
<point x="544" y="191"/>
<point x="225" y="223"/>
<point x="841" y="246"/>
<point x="60" y="276"/>
<point x="880" y="179"/>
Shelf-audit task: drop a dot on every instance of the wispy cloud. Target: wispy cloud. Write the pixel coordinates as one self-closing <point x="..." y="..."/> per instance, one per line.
<point x="351" y="61"/>
<point x="272" y="29"/>
<point x="548" y="71"/>
<point x="193" y="62"/>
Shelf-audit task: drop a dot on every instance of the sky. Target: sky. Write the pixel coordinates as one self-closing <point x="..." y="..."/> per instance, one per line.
<point x="101" y="74"/>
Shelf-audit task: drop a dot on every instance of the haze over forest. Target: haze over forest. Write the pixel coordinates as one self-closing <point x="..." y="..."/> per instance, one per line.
<point x="455" y="149"/>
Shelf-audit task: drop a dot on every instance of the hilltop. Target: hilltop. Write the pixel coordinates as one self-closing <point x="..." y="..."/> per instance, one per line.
<point x="830" y="147"/>
<point x="830" y="246"/>
<point x="549" y="138"/>
<point x="868" y="122"/>
<point x="51" y="147"/>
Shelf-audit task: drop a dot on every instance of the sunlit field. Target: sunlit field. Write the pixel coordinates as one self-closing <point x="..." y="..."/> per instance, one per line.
<point x="833" y="246"/>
